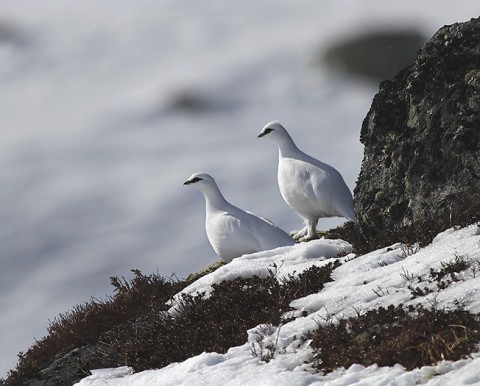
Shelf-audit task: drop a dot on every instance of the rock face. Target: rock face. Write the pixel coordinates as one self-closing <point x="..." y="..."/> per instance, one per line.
<point x="421" y="168"/>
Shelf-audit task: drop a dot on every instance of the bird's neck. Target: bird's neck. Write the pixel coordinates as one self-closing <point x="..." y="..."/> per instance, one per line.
<point x="214" y="199"/>
<point x="287" y="148"/>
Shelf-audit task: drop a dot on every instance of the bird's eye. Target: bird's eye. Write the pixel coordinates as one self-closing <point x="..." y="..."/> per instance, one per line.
<point x="196" y="179"/>
<point x="268" y="130"/>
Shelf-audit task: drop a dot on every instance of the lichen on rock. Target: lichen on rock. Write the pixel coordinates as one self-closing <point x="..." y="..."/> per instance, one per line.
<point x="421" y="168"/>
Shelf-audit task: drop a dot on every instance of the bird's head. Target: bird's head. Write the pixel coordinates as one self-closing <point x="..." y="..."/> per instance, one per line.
<point x="274" y="130"/>
<point x="201" y="181"/>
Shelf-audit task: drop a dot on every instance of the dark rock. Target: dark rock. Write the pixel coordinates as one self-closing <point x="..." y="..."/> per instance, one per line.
<point x="376" y="55"/>
<point x="65" y="369"/>
<point x="421" y="168"/>
<point x="69" y="366"/>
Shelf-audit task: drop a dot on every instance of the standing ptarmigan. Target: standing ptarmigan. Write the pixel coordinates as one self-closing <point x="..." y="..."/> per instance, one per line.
<point x="310" y="187"/>
<point x="232" y="231"/>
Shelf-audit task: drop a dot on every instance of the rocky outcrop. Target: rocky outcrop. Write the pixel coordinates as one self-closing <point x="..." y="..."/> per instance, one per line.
<point x="421" y="168"/>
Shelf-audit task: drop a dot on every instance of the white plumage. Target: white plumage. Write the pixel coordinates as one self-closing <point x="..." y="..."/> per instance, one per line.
<point x="232" y="231"/>
<point x="310" y="187"/>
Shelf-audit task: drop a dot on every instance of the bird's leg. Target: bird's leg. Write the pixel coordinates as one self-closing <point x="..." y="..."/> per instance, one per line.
<point x="311" y="232"/>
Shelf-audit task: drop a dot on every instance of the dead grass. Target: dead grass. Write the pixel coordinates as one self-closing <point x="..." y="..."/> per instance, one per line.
<point x="412" y="337"/>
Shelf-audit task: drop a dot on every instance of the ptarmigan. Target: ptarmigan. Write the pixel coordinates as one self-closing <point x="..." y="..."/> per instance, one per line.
<point x="310" y="187"/>
<point x="232" y="231"/>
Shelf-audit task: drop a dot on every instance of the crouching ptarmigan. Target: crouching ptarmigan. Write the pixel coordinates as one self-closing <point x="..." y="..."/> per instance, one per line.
<point x="232" y="231"/>
<point x="310" y="187"/>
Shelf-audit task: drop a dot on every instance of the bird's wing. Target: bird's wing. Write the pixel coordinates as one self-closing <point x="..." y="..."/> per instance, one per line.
<point x="328" y="182"/>
<point x="230" y="234"/>
<point x="267" y="234"/>
<point x="261" y="218"/>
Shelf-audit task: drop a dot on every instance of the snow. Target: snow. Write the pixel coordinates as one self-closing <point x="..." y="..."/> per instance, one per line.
<point x="291" y="260"/>
<point x="213" y="369"/>
<point x="360" y="284"/>
<point x="92" y="159"/>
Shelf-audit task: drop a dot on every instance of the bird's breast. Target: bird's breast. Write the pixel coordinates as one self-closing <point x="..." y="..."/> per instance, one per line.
<point x="305" y="187"/>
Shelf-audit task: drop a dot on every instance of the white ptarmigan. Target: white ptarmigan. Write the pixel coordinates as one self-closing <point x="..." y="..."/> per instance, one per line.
<point x="233" y="232"/>
<point x="310" y="187"/>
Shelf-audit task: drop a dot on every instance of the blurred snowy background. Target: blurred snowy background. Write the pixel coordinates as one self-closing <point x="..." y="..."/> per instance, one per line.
<point x="106" y="107"/>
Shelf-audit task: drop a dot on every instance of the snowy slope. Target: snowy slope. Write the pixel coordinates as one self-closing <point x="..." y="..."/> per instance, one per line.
<point x="361" y="283"/>
<point x="92" y="159"/>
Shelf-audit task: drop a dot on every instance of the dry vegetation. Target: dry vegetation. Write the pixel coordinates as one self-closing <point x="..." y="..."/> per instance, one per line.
<point x="412" y="336"/>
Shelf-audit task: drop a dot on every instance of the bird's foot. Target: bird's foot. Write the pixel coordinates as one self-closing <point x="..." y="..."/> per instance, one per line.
<point x="297" y="235"/>
<point x="309" y="237"/>
<point x="304" y="235"/>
